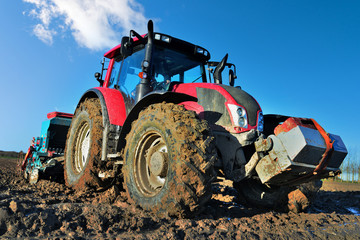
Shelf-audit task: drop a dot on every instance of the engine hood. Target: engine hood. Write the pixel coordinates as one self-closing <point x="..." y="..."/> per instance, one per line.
<point x="213" y="100"/>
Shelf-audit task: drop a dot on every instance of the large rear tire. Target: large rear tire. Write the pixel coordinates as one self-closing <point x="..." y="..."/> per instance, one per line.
<point x="83" y="146"/>
<point x="168" y="161"/>
<point x="280" y="198"/>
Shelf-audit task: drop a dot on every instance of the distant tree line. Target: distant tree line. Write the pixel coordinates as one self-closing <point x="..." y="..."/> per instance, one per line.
<point x="350" y="167"/>
<point x="10" y="154"/>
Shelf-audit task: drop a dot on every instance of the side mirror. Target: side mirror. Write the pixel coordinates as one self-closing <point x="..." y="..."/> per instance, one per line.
<point x="126" y="46"/>
<point x="231" y="78"/>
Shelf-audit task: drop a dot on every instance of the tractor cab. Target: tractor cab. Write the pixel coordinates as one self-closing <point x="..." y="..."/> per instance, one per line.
<point x="154" y="62"/>
<point x="173" y="61"/>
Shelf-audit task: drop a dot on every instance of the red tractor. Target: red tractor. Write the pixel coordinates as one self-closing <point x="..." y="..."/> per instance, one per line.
<point x="163" y="123"/>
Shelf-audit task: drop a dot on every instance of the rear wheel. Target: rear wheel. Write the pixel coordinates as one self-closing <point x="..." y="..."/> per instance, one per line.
<point x="83" y="146"/>
<point x="169" y="158"/>
<point x="281" y="198"/>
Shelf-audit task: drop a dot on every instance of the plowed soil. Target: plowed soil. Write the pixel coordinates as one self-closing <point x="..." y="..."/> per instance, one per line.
<point x="50" y="210"/>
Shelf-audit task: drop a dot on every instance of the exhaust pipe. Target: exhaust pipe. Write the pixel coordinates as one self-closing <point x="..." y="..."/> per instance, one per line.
<point x="144" y="87"/>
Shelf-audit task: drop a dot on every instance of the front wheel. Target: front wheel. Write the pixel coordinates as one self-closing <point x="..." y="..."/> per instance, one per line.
<point x="169" y="158"/>
<point x="83" y="146"/>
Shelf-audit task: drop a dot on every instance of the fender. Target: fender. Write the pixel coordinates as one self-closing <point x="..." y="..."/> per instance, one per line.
<point x="151" y="98"/>
<point x="112" y="104"/>
<point x="114" y="115"/>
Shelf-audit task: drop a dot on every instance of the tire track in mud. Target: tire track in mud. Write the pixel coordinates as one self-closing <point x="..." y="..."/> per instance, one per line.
<point x="50" y="210"/>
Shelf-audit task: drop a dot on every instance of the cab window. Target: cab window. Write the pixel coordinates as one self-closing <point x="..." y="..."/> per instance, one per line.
<point x="125" y="73"/>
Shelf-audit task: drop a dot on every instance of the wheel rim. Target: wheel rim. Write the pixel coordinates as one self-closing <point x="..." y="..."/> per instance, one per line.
<point x="82" y="147"/>
<point x="151" y="164"/>
<point x="34" y="176"/>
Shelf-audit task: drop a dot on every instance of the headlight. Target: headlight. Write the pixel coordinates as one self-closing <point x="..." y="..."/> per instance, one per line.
<point x="202" y="51"/>
<point x="238" y="115"/>
<point x="260" y="123"/>
<point x="240" y="111"/>
<point x="163" y="38"/>
<point x="242" y="122"/>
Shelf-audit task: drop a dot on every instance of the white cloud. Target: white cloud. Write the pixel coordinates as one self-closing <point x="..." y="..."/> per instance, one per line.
<point x="44" y="34"/>
<point x="95" y="24"/>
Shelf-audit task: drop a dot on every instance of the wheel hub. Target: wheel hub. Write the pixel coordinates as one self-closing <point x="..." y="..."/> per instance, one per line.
<point x="158" y="164"/>
<point x="82" y="147"/>
<point x="151" y="163"/>
<point x="34" y="176"/>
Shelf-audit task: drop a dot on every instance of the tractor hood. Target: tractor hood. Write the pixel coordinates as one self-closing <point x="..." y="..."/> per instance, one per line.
<point x="222" y="105"/>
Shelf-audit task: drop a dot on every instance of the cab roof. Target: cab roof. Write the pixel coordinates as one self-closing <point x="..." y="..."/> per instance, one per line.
<point x="168" y="42"/>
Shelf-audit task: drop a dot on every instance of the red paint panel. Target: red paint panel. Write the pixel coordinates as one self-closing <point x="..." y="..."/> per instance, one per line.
<point x="194" y="106"/>
<point x="115" y="105"/>
<point x="116" y="50"/>
<point x="112" y="52"/>
<point x="108" y="73"/>
<point x="59" y="114"/>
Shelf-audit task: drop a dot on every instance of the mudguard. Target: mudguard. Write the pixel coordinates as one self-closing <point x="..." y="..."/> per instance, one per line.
<point x="112" y="104"/>
<point x="114" y="111"/>
<point x="151" y="98"/>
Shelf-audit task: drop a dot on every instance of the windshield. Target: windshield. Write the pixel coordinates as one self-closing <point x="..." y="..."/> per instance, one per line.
<point x="125" y="73"/>
<point x="168" y="66"/>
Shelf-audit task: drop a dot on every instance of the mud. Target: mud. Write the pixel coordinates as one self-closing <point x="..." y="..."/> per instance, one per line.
<point x="50" y="210"/>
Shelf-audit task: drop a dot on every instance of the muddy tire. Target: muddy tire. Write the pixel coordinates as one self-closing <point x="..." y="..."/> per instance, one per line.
<point x="83" y="146"/>
<point x="168" y="161"/>
<point x="285" y="199"/>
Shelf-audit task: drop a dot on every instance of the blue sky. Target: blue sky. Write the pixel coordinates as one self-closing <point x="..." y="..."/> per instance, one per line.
<point x="298" y="58"/>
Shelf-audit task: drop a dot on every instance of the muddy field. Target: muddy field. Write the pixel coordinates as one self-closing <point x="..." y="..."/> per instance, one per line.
<point x="49" y="210"/>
